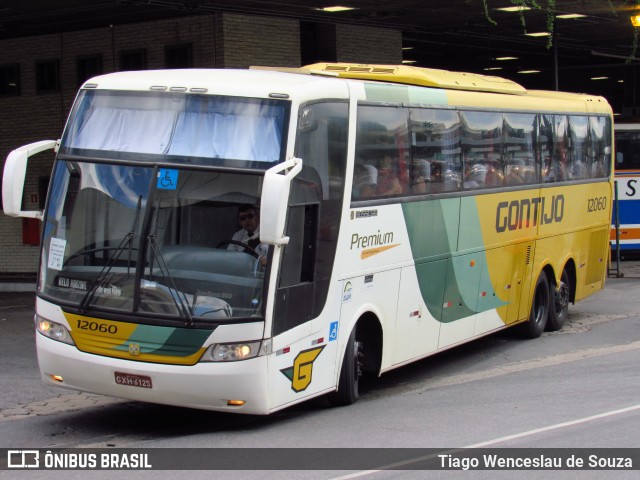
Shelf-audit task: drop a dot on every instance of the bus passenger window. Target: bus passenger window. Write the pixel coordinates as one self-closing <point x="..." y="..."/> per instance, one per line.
<point x="388" y="179"/>
<point x="600" y="135"/>
<point x="382" y="140"/>
<point x="482" y="149"/>
<point x="420" y="176"/>
<point x="518" y="148"/>
<point x="578" y="152"/>
<point x="435" y="150"/>
<point x="558" y="139"/>
<point x="365" y="179"/>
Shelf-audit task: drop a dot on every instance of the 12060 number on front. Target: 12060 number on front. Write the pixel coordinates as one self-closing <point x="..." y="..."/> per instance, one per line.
<point x="97" y="327"/>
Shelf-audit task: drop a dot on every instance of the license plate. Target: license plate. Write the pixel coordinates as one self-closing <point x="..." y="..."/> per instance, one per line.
<point x="133" y="380"/>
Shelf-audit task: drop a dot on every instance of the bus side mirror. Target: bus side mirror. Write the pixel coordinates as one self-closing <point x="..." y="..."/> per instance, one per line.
<point x="275" y="198"/>
<point x="15" y="170"/>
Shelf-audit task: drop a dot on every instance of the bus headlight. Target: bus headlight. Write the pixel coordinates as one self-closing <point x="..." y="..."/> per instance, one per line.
<point x="233" y="352"/>
<point x="53" y="330"/>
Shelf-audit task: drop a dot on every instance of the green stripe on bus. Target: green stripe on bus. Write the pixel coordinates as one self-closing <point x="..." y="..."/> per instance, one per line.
<point x="451" y="284"/>
<point x="169" y="341"/>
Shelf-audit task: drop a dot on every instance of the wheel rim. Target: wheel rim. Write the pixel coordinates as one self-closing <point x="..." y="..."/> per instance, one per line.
<point x="357" y="365"/>
<point x="562" y="298"/>
<point x="541" y="298"/>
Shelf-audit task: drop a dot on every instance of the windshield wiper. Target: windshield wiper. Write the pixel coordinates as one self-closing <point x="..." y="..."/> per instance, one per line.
<point x="104" y="272"/>
<point x="179" y="298"/>
<point x="113" y="258"/>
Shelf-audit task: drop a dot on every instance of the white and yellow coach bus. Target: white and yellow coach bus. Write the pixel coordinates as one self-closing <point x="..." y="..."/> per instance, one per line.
<point x="403" y="211"/>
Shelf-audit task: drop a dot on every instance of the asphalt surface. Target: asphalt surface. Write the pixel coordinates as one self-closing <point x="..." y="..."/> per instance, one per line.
<point x="576" y="388"/>
<point x="25" y="394"/>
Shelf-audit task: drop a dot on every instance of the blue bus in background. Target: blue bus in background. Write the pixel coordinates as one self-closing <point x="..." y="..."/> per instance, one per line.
<point x="627" y="175"/>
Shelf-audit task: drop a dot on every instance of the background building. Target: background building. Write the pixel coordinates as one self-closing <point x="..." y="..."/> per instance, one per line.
<point x="48" y="49"/>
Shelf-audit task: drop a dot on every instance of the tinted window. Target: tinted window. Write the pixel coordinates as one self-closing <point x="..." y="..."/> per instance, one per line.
<point x="482" y="149"/>
<point x="579" y="161"/>
<point x="554" y="142"/>
<point x="627" y="150"/>
<point x="178" y="126"/>
<point x="436" y="161"/>
<point x="600" y="139"/>
<point x="383" y="150"/>
<point x="519" y="152"/>
<point x="452" y="149"/>
<point x="313" y="221"/>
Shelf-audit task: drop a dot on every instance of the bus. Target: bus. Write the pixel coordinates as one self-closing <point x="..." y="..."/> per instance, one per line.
<point x="403" y="210"/>
<point x="627" y="175"/>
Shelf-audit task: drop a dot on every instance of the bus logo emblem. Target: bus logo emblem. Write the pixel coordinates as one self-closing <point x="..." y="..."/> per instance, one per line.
<point x="300" y="373"/>
<point x="347" y="292"/>
<point x="134" y="349"/>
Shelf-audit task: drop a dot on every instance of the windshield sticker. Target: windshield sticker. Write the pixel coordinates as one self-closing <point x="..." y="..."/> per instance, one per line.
<point x="72" y="283"/>
<point x="56" y="253"/>
<point x="167" y="179"/>
<point x="111" y="290"/>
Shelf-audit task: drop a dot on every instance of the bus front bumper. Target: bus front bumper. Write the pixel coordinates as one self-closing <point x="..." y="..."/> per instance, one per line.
<point x="221" y="386"/>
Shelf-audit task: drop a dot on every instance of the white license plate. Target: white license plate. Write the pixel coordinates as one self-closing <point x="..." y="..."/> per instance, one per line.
<point x="131" y="380"/>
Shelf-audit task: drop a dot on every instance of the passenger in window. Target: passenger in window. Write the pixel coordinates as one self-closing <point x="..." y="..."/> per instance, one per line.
<point x="474" y="175"/>
<point x="420" y="176"/>
<point x="520" y="172"/>
<point x="365" y="179"/>
<point x="249" y="233"/>
<point x="494" y="176"/>
<point x="388" y="182"/>
<point x="560" y="173"/>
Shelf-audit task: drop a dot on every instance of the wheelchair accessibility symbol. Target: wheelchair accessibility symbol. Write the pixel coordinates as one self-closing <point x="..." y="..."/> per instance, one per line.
<point x="167" y="179"/>
<point x="333" y="331"/>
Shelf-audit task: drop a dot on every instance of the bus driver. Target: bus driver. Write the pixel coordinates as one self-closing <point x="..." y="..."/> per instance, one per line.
<point x="249" y="233"/>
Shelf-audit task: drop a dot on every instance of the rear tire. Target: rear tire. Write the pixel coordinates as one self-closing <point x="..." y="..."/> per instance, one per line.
<point x="350" y="374"/>
<point x="540" y="303"/>
<point x="559" y="306"/>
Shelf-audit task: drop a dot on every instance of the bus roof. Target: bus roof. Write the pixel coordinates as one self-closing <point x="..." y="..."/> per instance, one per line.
<point x="461" y="82"/>
<point x="218" y="81"/>
<point x="280" y="82"/>
<point x="425" y="77"/>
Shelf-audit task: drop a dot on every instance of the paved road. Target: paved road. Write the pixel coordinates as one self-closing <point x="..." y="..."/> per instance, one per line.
<point x="576" y="388"/>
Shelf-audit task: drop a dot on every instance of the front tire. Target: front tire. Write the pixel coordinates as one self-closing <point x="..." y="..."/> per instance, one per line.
<point x="350" y="374"/>
<point x="559" y="307"/>
<point x="540" y="304"/>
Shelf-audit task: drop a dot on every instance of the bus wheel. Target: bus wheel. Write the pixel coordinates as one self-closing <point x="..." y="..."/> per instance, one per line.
<point x="540" y="303"/>
<point x="559" y="308"/>
<point x="350" y="374"/>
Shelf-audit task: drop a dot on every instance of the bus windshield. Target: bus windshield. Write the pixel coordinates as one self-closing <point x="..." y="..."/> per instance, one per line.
<point x="151" y="241"/>
<point x="181" y="128"/>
